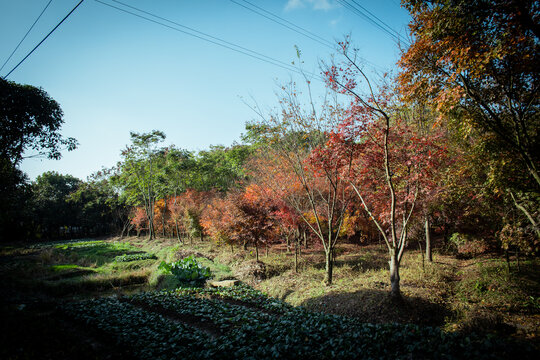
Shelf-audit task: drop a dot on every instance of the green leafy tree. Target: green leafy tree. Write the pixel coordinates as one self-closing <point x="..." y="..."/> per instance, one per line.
<point x="100" y="208"/>
<point x="15" y="216"/>
<point x="139" y="171"/>
<point x="30" y="120"/>
<point x="54" y="215"/>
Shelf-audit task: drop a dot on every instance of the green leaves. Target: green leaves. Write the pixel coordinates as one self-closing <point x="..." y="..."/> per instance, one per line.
<point x="187" y="271"/>
<point x="245" y="323"/>
<point x="134" y="257"/>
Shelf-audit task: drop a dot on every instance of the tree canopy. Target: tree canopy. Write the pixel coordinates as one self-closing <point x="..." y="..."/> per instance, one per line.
<point x="30" y="120"/>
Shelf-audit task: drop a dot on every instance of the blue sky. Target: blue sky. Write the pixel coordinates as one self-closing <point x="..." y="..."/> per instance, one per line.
<point x="113" y="72"/>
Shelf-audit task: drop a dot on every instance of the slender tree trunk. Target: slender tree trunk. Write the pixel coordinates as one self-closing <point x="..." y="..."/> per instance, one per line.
<point x="232" y="248"/>
<point x="329" y="267"/>
<point x="177" y="231"/>
<point x="429" y="254"/>
<point x="423" y="257"/>
<point x="256" y="251"/>
<point x="527" y="214"/>
<point x="394" y="274"/>
<point x="163" y="226"/>
<point x="296" y="255"/>
<point x="288" y="242"/>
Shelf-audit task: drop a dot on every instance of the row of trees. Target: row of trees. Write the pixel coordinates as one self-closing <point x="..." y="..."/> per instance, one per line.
<point x="450" y="146"/>
<point x="468" y="163"/>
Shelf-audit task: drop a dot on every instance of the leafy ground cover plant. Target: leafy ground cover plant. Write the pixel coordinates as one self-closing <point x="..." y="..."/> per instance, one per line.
<point x="188" y="271"/>
<point x="134" y="257"/>
<point x="293" y="333"/>
<point x="148" y="335"/>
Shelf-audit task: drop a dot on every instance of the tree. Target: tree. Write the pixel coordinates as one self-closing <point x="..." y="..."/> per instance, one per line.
<point x="219" y="220"/>
<point x="220" y="167"/>
<point x="30" y="120"/>
<point x="99" y="208"/>
<point x="15" y="212"/>
<point x="390" y="164"/>
<point x="256" y="221"/>
<point x="138" y="173"/>
<point x="480" y="59"/>
<point x="54" y="215"/>
<point x="323" y="197"/>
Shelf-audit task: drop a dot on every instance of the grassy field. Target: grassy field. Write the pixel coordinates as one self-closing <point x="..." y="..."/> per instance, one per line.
<point x="51" y="290"/>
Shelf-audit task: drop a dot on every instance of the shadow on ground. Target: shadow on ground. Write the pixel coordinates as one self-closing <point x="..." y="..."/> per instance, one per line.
<point x="376" y="306"/>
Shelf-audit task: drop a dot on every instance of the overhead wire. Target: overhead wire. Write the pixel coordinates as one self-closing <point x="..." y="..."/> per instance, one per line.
<point x="300" y="30"/>
<point x="391" y="29"/>
<point x="283" y="22"/>
<point x="206" y="37"/>
<point x="25" y="35"/>
<point x="361" y="11"/>
<point x="45" y="38"/>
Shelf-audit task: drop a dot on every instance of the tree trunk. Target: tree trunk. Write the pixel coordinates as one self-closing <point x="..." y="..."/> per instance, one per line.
<point x="163" y="226"/>
<point x="296" y="255"/>
<point x="394" y="275"/>
<point x="527" y="214"/>
<point x="288" y="242"/>
<point x="329" y="267"/>
<point x="177" y="231"/>
<point x="429" y="254"/>
<point x="256" y="252"/>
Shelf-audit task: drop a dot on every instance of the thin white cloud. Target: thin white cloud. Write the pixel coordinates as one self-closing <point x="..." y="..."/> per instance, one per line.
<point x="324" y="5"/>
<point x="334" y="22"/>
<point x="321" y="4"/>
<point x="294" y="4"/>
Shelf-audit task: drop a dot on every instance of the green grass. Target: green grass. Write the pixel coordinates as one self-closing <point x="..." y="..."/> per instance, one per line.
<point x="219" y="271"/>
<point x="64" y="267"/>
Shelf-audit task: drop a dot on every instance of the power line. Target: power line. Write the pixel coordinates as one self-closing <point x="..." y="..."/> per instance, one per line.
<point x="382" y="22"/>
<point x="376" y="17"/>
<point x="298" y="29"/>
<point x="360" y="13"/>
<point x="206" y="37"/>
<point x="25" y="35"/>
<point x="285" y="23"/>
<point x="45" y="38"/>
<point x="373" y="19"/>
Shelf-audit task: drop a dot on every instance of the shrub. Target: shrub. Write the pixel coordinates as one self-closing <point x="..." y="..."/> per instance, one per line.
<point x="187" y="271"/>
<point x="467" y="246"/>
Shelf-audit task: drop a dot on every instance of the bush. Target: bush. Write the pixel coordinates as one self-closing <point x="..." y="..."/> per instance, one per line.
<point x="187" y="271"/>
<point x="467" y="246"/>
